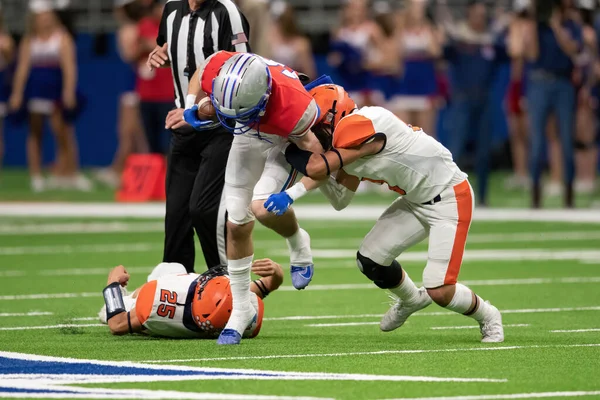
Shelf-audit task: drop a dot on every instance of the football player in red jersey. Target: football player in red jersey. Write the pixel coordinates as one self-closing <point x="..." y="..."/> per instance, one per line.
<point x="265" y="105"/>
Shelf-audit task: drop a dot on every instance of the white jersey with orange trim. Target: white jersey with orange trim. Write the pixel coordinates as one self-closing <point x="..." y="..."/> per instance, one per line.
<point x="413" y="164"/>
<point x="164" y="306"/>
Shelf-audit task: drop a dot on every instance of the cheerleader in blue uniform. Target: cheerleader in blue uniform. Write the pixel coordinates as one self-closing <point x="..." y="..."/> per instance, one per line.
<point x="414" y="94"/>
<point x="131" y="138"/>
<point x="45" y="86"/>
<point x="352" y="46"/>
<point x="7" y="54"/>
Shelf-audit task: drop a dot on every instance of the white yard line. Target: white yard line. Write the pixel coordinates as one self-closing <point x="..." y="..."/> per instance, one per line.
<point x="430" y="314"/>
<point x="371" y="353"/>
<point x="27" y="314"/>
<point x="538" y="395"/>
<point x="59" y="326"/>
<point x="85" y="248"/>
<point x="576" y="330"/>
<point x="78" y="228"/>
<point x="318" y="212"/>
<point x="470" y="255"/>
<point x="441" y="328"/>
<point x="350" y="286"/>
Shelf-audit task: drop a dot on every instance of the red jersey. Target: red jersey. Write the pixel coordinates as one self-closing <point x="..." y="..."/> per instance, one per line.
<point x="157" y="85"/>
<point x="291" y="111"/>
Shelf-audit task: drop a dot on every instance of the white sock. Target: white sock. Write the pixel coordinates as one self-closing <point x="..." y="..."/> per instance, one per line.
<point x="299" y="246"/>
<point x="239" y="278"/>
<point x="407" y="290"/>
<point x="463" y="301"/>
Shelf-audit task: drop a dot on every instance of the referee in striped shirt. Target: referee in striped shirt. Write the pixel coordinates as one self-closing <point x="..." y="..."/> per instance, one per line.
<point x="190" y="31"/>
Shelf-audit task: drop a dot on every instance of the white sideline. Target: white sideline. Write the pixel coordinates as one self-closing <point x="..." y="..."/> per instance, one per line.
<point x="576" y="330"/>
<point x="371" y="353"/>
<point x="316" y="212"/>
<point x="508" y="396"/>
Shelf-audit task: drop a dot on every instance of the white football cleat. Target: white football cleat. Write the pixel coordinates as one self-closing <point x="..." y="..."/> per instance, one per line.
<point x="491" y="328"/>
<point x="399" y="312"/>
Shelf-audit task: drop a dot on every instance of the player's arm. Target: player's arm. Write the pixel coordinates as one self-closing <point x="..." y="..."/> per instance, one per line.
<point x="271" y="277"/>
<point x="120" y="322"/>
<point x="319" y="166"/>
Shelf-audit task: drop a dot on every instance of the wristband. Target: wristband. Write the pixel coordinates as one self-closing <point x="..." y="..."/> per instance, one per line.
<point x="190" y="101"/>
<point x="339" y="156"/>
<point x="297" y="191"/>
<point x="113" y="298"/>
<point x="326" y="164"/>
<point x="129" y="322"/>
<point x="261" y="286"/>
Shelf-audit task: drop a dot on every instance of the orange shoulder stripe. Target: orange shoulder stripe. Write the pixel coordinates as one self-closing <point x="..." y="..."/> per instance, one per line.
<point x="353" y="131"/>
<point x="145" y="301"/>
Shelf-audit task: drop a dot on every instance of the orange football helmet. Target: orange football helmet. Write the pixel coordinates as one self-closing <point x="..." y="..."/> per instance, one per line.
<point x="334" y="103"/>
<point x="212" y="307"/>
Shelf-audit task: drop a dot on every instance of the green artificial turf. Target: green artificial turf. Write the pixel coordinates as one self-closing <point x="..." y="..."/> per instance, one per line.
<point x="551" y="290"/>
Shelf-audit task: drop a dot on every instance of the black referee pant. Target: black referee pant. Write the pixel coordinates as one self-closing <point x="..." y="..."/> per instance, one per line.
<point x="195" y="179"/>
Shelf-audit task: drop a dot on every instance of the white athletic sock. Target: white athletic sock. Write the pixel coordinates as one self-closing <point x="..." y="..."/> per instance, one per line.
<point x="463" y="301"/>
<point x="239" y="278"/>
<point x="299" y="246"/>
<point x="407" y="290"/>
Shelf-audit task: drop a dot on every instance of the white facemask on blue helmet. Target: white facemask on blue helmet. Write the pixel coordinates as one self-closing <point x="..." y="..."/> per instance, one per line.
<point x="241" y="92"/>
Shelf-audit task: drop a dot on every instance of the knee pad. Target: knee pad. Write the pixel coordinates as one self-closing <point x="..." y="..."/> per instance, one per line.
<point x="237" y="212"/>
<point x="382" y="276"/>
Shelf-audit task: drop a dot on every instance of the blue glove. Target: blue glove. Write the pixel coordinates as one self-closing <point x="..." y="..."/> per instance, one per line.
<point x="278" y="203"/>
<point x="191" y="117"/>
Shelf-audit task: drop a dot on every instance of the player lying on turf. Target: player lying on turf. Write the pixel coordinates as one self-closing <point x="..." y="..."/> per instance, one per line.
<point x="437" y="202"/>
<point x="264" y="104"/>
<point x="176" y="304"/>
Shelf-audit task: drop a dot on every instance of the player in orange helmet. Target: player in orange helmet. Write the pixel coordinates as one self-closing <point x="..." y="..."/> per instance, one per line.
<point x="436" y="202"/>
<point x="176" y="304"/>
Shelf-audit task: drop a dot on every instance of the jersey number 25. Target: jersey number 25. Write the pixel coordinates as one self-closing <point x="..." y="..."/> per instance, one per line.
<point x="168" y="301"/>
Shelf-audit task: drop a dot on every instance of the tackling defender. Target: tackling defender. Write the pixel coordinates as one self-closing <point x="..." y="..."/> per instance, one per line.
<point x="437" y="202"/>
<point x="176" y="304"/>
<point x="264" y="104"/>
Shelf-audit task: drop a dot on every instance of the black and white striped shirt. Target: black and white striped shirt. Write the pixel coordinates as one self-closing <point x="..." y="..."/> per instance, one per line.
<point x="194" y="36"/>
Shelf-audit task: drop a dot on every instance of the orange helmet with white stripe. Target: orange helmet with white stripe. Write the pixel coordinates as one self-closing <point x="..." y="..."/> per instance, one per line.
<point x="334" y="103"/>
<point x="213" y="303"/>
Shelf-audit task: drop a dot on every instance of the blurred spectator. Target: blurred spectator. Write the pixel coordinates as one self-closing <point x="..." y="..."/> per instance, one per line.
<point x="46" y="85"/>
<point x="353" y="43"/>
<point x="586" y="158"/>
<point x="259" y="18"/>
<point x="155" y="87"/>
<point x="515" y="97"/>
<point x="419" y="47"/>
<point x="63" y="10"/>
<point x="7" y="55"/>
<point x="130" y="130"/>
<point x="473" y="55"/>
<point x="552" y="42"/>
<point x="288" y="45"/>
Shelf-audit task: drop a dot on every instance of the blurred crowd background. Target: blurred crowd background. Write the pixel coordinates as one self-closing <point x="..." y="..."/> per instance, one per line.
<point x="505" y="85"/>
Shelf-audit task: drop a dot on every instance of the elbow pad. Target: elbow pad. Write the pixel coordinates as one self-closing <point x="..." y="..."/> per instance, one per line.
<point x="338" y="195"/>
<point x="297" y="158"/>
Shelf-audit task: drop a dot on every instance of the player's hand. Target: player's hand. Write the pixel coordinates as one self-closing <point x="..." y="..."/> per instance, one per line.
<point x="278" y="203"/>
<point x="266" y="267"/>
<point x="175" y="119"/>
<point x="191" y="117"/>
<point x="118" y="274"/>
<point x="158" y="58"/>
